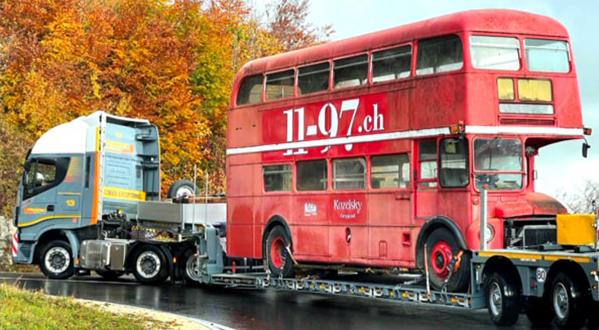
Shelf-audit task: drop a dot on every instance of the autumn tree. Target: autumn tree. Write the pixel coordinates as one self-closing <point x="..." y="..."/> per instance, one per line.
<point x="581" y="199"/>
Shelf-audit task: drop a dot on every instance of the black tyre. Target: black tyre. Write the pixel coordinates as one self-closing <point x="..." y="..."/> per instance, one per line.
<point x="539" y="312"/>
<point x="192" y="275"/>
<point x="593" y="314"/>
<point x="567" y="301"/>
<point x="109" y="275"/>
<point x="503" y="299"/>
<point x="149" y="265"/>
<point x="180" y="188"/>
<point x="442" y="246"/>
<point x="276" y="257"/>
<point x="56" y="261"/>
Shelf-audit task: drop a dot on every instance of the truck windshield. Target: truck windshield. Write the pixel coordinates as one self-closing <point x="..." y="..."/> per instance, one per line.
<point x="498" y="162"/>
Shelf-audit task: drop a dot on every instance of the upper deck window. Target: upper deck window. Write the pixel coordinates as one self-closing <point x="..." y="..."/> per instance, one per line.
<point x="391" y="64"/>
<point x="351" y="71"/>
<point x="439" y="55"/>
<point x="498" y="53"/>
<point x="250" y="90"/>
<point x="313" y="78"/>
<point x="547" y="55"/>
<point x="279" y="85"/>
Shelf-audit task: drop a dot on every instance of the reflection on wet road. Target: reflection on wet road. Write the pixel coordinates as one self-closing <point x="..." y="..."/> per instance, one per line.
<point x="266" y="309"/>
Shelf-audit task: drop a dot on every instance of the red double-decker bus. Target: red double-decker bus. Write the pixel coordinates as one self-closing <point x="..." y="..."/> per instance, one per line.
<point x="371" y="152"/>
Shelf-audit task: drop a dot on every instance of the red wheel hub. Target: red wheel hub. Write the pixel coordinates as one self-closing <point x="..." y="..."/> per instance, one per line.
<point x="277" y="252"/>
<point x="440" y="256"/>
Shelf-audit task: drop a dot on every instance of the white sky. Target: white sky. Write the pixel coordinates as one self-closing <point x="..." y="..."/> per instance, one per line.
<point x="559" y="166"/>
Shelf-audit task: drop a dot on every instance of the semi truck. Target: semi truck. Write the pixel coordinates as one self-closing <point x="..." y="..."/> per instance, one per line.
<point x="89" y="200"/>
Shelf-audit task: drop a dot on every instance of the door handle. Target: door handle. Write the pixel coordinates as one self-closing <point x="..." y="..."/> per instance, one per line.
<point x="50" y="208"/>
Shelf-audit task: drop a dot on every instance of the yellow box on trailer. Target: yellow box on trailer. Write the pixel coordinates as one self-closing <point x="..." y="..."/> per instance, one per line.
<point x="575" y="229"/>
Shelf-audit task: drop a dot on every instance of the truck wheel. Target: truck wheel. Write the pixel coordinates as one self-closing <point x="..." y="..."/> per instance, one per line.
<point x="109" y="275"/>
<point x="441" y="248"/>
<point x="567" y="301"/>
<point x="539" y="312"/>
<point x="180" y="188"/>
<point x="276" y="256"/>
<point x="192" y="275"/>
<point x="150" y="265"/>
<point x="56" y="261"/>
<point x="593" y="322"/>
<point x="503" y="299"/>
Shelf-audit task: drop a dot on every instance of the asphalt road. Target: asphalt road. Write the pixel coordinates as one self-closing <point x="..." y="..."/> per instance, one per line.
<point x="265" y="309"/>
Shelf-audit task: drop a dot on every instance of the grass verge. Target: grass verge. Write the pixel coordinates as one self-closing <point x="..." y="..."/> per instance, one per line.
<point x="26" y="310"/>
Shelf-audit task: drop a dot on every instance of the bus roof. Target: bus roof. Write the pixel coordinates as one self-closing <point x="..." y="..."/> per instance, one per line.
<point x="502" y="21"/>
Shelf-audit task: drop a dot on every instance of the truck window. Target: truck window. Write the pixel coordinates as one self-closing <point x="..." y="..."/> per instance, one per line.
<point x="43" y="174"/>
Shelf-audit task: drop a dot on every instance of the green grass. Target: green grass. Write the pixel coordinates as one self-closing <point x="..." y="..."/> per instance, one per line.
<point x="26" y="310"/>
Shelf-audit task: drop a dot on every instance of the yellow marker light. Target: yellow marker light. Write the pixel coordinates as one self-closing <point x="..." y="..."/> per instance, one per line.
<point x="505" y="89"/>
<point x="534" y="90"/>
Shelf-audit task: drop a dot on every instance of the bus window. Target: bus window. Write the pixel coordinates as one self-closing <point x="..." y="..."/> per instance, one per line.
<point x="250" y="90"/>
<point x="546" y="55"/>
<point x="439" y="55"/>
<point x="454" y="163"/>
<point x="498" y="53"/>
<point x="349" y="173"/>
<point x="427" y="154"/>
<point x="390" y="171"/>
<point x="391" y="64"/>
<point x="498" y="162"/>
<point x="313" y="78"/>
<point x="277" y="177"/>
<point x="351" y="71"/>
<point x="279" y="85"/>
<point x="311" y="175"/>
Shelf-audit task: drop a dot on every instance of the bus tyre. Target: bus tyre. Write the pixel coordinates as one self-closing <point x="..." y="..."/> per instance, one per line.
<point x="190" y="271"/>
<point x="567" y="302"/>
<point x="441" y="248"/>
<point x="56" y="261"/>
<point x="181" y="188"/>
<point x="503" y="299"/>
<point x="109" y="275"/>
<point x="150" y="265"/>
<point x="539" y="312"/>
<point x="278" y="260"/>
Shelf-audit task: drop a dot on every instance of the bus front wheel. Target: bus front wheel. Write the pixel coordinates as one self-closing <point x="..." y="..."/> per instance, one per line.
<point x="441" y="248"/>
<point x="277" y="258"/>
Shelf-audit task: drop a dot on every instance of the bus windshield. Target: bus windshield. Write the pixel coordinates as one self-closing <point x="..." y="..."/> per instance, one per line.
<point x="498" y="163"/>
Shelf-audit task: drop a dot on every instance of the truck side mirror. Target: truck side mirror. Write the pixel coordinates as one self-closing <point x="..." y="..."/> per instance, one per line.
<point x="585" y="149"/>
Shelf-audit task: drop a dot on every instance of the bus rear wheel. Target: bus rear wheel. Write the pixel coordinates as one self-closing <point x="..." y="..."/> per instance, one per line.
<point x="277" y="257"/>
<point x="441" y="248"/>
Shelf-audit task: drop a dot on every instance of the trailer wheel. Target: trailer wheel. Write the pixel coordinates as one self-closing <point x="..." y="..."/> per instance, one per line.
<point x="56" y="261"/>
<point x="593" y="322"/>
<point x="567" y="301"/>
<point x="109" y="275"/>
<point x="441" y="249"/>
<point x="539" y="312"/>
<point x="192" y="275"/>
<point x="277" y="258"/>
<point x="150" y="265"/>
<point x="180" y="188"/>
<point x="503" y="299"/>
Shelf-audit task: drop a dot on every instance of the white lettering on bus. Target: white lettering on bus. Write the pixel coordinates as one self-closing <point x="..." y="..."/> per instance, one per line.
<point x="328" y="123"/>
<point x="348" y="205"/>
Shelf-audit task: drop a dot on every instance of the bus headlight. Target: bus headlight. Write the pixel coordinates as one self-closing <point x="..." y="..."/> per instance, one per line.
<point x="489" y="233"/>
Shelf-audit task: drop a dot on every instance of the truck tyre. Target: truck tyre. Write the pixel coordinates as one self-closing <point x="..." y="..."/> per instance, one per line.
<point x="109" y="275"/>
<point x="441" y="248"/>
<point x="503" y="299"/>
<point x="567" y="302"/>
<point x="56" y="261"/>
<point x="593" y="322"/>
<point x="189" y="270"/>
<point x="150" y="265"/>
<point x="277" y="259"/>
<point x="539" y="312"/>
<point x="180" y="188"/>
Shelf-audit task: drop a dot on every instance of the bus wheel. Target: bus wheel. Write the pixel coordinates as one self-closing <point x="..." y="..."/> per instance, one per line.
<point x="56" y="261"/>
<point x="441" y="249"/>
<point x="539" y="312"/>
<point x="567" y="301"/>
<point x="109" y="275"/>
<point x="150" y="265"/>
<point x="503" y="299"/>
<point x="277" y="258"/>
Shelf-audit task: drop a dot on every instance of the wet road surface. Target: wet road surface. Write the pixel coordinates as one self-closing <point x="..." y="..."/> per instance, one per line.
<point x="265" y="309"/>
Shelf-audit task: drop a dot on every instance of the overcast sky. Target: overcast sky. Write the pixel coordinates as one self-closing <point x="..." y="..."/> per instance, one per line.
<point x="560" y="166"/>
